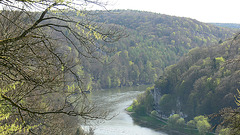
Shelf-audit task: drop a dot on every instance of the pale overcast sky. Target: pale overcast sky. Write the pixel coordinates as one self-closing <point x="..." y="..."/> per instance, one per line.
<point x="222" y="11"/>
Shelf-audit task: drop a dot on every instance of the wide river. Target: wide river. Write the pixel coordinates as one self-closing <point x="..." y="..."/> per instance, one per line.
<point x="116" y="100"/>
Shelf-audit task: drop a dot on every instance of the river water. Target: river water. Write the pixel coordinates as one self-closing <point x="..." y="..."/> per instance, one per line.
<point x="116" y="100"/>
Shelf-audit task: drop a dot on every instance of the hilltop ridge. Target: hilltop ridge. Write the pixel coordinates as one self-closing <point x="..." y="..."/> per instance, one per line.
<point x="154" y="42"/>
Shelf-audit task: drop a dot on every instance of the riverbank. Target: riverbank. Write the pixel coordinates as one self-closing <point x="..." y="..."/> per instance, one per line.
<point x="159" y="124"/>
<point x="153" y="123"/>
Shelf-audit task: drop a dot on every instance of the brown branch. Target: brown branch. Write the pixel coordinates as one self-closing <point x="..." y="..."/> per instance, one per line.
<point x="85" y="115"/>
<point x="29" y="29"/>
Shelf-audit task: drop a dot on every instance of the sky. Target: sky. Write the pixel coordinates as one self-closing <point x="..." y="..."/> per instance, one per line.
<point x="209" y="11"/>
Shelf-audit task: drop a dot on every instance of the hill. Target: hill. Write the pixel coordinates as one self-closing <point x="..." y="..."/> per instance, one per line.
<point x="201" y="83"/>
<point x="154" y="42"/>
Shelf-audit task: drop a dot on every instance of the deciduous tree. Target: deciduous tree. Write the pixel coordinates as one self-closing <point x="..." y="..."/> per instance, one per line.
<point x="41" y="43"/>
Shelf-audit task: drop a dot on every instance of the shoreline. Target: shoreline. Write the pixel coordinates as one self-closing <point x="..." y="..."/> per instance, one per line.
<point x="153" y="123"/>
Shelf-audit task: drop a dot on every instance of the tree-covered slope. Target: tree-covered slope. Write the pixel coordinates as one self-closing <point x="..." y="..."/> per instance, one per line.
<point x="202" y="82"/>
<point x="154" y="41"/>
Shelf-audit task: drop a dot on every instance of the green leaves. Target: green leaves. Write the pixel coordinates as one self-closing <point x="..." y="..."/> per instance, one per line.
<point x="9" y="87"/>
<point x="175" y="121"/>
<point x="201" y="123"/>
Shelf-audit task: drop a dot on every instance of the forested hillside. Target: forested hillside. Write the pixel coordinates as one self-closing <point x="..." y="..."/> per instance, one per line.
<point x="154" y="42"/>
<point x="201" y="83"/>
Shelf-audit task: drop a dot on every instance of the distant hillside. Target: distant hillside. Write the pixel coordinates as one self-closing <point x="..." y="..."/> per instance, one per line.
<point x="154" y="42"/>
<point x="228" y="25"/>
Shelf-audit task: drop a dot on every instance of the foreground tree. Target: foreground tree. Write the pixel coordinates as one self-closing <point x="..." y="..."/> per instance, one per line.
<point x="230" y="119"/>
<point x="42" y="86"/>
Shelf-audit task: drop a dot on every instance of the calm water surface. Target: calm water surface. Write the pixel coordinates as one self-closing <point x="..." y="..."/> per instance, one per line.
<point x="117" y="100"/>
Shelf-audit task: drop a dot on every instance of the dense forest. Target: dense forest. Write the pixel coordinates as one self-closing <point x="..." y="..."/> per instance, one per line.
<point x="203" y="82"/>
<point x="154" y="42"/>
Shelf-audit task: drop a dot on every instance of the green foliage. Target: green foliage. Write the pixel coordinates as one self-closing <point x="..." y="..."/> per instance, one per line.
<point x="175" y="121"/>
<point x="220" y="59"/>
<point x="13" y="126"/>
<point x="130" y="108"/>
<point x="200" y="118"/>
<point x="191" y="124"/>
<point x="201" y="123"/>
<point x="42" y="65"/>
<point x="217" y="62"/>
<point x="10" y="129"/>
<point x="202" y="81"/>
<point x="225" y="131"/>
<point x="180" y="123"/>
<point x="230" y="119"/>
<point x="154" y="113"/>
<point x="167" y="101"/>
<point x="155" y="41"/>
<point x="138" y="108"/>
<point x="143" y="104"/>
<point x="172" y="120"/>
<point x="203" y="126"/>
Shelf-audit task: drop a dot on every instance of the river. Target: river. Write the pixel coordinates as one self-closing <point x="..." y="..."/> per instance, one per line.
<point x="116" y="100"/>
